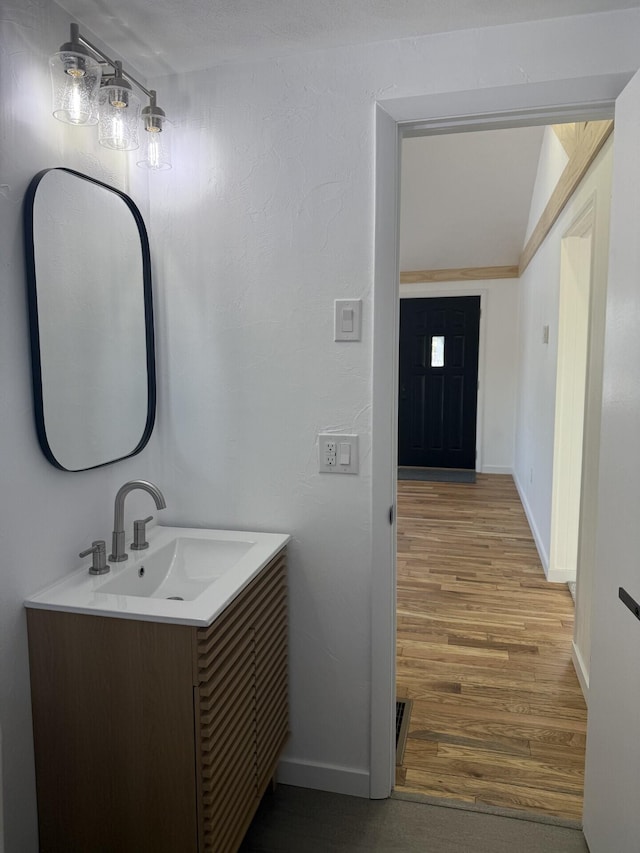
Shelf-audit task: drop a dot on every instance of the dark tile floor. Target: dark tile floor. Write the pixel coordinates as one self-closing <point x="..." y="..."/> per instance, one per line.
<point x="298" y="820"/>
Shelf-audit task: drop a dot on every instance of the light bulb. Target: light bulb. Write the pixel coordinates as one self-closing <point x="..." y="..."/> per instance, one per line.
<point x="117" y="131"/>
<point x="153" y="152"/>
<point x="75" y="106"/>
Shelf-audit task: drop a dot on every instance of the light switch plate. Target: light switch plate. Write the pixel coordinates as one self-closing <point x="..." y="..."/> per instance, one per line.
<point x="331" y="450"/>
<point x="347" y="320"/>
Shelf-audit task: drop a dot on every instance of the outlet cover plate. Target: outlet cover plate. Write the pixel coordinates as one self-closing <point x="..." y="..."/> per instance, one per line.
<point x="330" y="453"/>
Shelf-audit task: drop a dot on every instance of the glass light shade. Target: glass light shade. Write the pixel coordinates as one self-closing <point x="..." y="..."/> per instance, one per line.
<point x="156" y="142"/>
<point x="118" y="116"/>
<point x="75" y="78"/>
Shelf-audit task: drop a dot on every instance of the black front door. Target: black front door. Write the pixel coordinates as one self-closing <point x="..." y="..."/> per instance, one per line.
<point x="438" y="382"/>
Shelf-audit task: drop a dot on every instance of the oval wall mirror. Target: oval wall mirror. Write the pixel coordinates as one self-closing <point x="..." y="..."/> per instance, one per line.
<point x="91" y="318"/>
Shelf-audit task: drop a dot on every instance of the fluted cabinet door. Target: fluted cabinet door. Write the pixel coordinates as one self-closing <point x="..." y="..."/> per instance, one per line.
<point x="272" y="705"/>
<point x="241" y="707"/>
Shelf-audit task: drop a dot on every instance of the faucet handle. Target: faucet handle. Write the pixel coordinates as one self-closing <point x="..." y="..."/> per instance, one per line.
<point x="140" y="534"/>
<point x="98" y="549"/>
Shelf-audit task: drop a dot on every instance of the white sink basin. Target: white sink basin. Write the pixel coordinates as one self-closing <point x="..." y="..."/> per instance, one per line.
<point x="187" y="575"/>
<point x="181" y="570"/>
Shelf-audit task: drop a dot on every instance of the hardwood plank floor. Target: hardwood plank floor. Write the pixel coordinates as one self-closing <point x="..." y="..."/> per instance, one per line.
<point x="484" y="651"/>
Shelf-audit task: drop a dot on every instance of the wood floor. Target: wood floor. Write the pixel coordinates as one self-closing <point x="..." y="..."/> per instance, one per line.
<point x="484" y="651"/>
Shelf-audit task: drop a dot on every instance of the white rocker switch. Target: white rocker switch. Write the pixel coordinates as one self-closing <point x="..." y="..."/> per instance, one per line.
<point x="345" y="453"/>
<point x="347" y="320"/>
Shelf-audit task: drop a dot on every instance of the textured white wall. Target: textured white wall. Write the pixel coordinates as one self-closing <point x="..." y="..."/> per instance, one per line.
<point x="540" y="285"/>
<point x="551" y="162"/>
<point x="499" y="368"/>
<point x="265" y="219"/>
<point x="46" y="516"/>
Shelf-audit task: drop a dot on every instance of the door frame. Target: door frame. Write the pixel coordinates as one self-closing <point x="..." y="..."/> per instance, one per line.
<point x="548" y="102"/>
<point x="435" y="290"/>
<point x="568" y="459"/>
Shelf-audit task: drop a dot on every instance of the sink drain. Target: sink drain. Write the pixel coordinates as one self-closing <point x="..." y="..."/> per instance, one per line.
<point x="175" y="598"/>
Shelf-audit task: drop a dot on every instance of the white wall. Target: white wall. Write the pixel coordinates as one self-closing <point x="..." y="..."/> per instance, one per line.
<point x="498" y="368"/>
<point x="266" y="218"/>
<point x="551" y="163"/>
<point x="540" y="285"/>
<point x="46" y="516"/>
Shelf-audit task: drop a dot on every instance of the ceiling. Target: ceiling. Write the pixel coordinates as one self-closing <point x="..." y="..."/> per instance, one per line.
<point x="483" y="181"/>
<point x="167" y="36"/>
<point x="465" y="198"/>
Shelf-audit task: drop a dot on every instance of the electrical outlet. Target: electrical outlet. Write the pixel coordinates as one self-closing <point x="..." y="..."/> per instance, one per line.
<point x="337" y="454"/>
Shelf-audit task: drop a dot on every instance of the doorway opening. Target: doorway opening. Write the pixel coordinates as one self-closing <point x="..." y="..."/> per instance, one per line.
<point x="579" y="99"/>
<point x="480" y="618"/>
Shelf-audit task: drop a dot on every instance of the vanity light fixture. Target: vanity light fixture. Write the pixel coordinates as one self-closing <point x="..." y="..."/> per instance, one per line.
<point x="90" y="88"/>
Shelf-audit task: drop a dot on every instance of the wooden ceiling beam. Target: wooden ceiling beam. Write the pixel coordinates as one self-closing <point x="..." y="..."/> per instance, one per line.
<point x="458" y="274"/>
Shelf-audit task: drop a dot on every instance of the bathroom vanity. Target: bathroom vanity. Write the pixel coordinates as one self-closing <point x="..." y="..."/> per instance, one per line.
<point x="157" y="728"/>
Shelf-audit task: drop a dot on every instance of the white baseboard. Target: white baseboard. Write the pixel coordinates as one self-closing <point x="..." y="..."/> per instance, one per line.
<point x="559" y="575"/>
<point x="497" y="469"/>
<point x="542" y="553"/>
<point x="581" y="671"/>
<point x="324" y="777"/>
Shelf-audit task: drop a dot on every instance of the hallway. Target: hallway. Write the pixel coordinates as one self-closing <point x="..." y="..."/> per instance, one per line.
<point x="484" y="652"/>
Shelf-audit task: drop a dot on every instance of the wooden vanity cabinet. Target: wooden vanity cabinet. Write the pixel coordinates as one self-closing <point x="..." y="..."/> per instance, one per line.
<point x="158" y="737"/>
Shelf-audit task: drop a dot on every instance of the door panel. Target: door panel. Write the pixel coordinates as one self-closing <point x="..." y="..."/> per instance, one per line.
<point x="438" y="381"/>
<point x="611" y="813"/>
<point x="456" y="421"/>
<point x="435" y="412"/>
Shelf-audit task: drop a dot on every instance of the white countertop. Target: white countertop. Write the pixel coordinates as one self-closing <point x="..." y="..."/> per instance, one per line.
<point x="80" y="592"/>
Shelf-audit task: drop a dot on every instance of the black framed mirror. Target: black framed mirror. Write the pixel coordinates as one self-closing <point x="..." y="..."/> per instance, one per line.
<point x="91" y="320"/>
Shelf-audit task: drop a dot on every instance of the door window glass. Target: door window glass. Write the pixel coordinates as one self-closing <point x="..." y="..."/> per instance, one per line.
<point x="437" y="351"/>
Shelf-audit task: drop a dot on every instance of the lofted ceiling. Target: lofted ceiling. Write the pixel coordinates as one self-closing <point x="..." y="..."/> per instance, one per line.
<point x="466" y="197"/>
<point x="167" y="36"/>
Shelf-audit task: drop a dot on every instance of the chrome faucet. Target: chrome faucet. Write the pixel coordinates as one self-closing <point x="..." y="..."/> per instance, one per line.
<point x="117" y="543"/>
